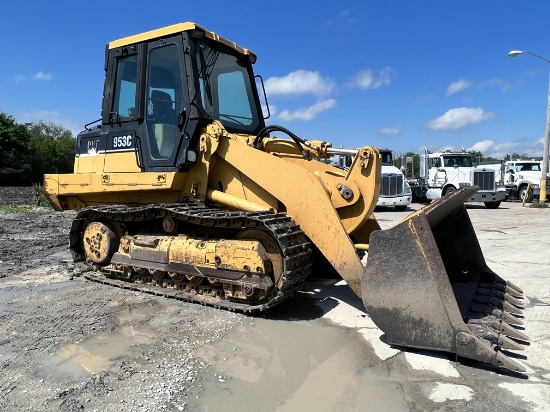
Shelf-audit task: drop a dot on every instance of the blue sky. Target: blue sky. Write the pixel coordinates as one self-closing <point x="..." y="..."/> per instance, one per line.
<point x="399" y="74"/>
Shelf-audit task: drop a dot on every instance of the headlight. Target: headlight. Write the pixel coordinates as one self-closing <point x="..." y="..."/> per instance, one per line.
<point x="407" y="189"/>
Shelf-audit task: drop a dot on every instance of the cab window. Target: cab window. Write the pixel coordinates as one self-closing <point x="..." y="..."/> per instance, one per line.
<point x="124" y="102"/>
<point x="163" y="99"/>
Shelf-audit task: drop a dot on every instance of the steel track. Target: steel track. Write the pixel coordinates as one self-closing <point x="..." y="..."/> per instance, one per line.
<point x="294" y="246"/>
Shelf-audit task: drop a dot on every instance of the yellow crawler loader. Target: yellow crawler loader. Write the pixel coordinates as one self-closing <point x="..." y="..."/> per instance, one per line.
<point x="183" y="191"/>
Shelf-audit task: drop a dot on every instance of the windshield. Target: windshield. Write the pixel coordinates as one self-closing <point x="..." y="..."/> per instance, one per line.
<point x="387" y="158"/>
<point x="457" y="160"/>
<point x="526" y="167"/>
<point x="226" y="90"/>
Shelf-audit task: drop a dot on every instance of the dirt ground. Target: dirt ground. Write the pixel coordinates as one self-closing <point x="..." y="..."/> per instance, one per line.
<point x="67" y="344"/>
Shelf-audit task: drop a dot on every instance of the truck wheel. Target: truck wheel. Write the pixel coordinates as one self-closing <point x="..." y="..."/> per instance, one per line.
<point x="492" y="205"/>
<point x="449" y="190"/>
<point x="527" y="193"/>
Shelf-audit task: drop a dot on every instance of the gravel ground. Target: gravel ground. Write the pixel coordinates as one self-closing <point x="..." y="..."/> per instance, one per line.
<point x="14" y="195"/>
<point x="67" y="344"/>
<point x="53" y="325"/>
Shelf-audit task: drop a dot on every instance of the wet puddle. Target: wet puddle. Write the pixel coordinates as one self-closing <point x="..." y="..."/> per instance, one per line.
<point x="292" y="365"/>
<point x="10" y="293"/>
<point x="99" y="353"/>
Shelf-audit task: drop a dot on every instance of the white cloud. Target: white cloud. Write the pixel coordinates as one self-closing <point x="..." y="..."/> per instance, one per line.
<point x="307" y="113"/>
<point x="20" y="78"/>
<point x="531" y="73"/>
<point x="42" y="76"/>
<point x="366" y="79"/>
<point x="300" y="82"/>
<point x="390" y="131"/>
<point x="490" y="148"/>
<point x="272" y="110"/>
<point x="504" y="86"/>
<point x="457" y="86"/>
<point x="344" y="17"/>
<point x="459" y="118"/>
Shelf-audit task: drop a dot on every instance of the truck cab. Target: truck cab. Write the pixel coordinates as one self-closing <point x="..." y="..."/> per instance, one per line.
<point x="522" y="178"/>
<point x="444" y="172"/>
<point x="395" y="191"/>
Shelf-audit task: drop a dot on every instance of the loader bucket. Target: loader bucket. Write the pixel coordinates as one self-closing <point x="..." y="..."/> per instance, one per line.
<point x="426" y="285"/>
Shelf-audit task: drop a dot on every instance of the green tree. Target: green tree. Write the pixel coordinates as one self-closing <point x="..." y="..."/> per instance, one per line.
<point x="413" y="169"/>
<point x="51" y="150"/>
<point x="14" y="139"/>
<point x="516" y="156"/>
<point x="14" y="160"/>
<point x="27" y="151"/>
<point x="478" y="157"/>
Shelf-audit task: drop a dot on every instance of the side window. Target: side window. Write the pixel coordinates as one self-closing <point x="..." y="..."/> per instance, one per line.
<point x="124" y="102"/>
<point x="234" y="104"/>
<point x="164" y="99"/>
<point x="164" y="91"/>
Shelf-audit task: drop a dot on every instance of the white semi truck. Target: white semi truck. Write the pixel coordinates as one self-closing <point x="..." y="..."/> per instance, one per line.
<point x="443" y="172"/>
<point x="521" y="178"/>
<point x="395" y="190"/>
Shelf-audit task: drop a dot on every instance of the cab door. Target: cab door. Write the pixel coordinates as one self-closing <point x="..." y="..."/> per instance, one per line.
<point x="120" y="129"/>
<point x="165" y="96"/>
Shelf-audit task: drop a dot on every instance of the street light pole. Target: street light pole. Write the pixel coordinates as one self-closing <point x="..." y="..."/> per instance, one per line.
<point x="542" y="197"/>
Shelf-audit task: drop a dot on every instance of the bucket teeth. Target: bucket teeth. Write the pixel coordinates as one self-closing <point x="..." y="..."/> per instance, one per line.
<point x="504" y="361"/>
<point x="513" y="300"/>
<point x="498" y="313"/>
<point x="497" y="303"/>
<point x="507" y="317"/>
<point x="512" y="332"/>
<point x="484" y="331"/>
<point x="499" y="294"/>
<point x="500" y="326"/>
<point x="508" y="307"/>
<point x="507" y="287"/>
<point x="506" y="343"/>
<point x="513" y="287"/>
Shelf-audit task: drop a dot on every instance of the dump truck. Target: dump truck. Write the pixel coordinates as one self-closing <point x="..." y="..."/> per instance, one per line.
<point x="182" y="190"/>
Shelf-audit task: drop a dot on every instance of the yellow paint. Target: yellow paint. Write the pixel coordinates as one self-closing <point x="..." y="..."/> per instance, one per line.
<point x="174" y="29"/>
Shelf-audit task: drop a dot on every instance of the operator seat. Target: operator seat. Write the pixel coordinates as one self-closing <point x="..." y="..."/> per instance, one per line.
<point x="163" y="110"/>
<point x="164" y="122"/>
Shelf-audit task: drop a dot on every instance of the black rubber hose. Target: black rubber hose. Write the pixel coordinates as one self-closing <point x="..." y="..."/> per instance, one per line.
<point x="274" y="128"/>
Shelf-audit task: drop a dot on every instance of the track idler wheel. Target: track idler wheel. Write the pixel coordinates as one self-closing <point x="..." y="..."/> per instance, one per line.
<point x="100" y="242"/>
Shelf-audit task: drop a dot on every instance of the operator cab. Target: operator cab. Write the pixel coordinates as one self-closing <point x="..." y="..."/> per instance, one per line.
<point x="163" y="86"/>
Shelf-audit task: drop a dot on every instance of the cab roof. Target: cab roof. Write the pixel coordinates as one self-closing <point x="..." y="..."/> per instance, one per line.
<point x="173" y="29"/>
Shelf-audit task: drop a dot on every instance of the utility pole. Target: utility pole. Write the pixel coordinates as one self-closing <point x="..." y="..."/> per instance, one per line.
<point x="544" y="173"/>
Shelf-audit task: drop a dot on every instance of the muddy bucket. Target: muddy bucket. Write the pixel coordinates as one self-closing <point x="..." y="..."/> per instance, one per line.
<point x="427" y="285"/>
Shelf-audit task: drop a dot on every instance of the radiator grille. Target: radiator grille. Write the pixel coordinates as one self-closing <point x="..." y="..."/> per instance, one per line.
<point x="392" y="185"/>
<point x="485" y="179"/>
